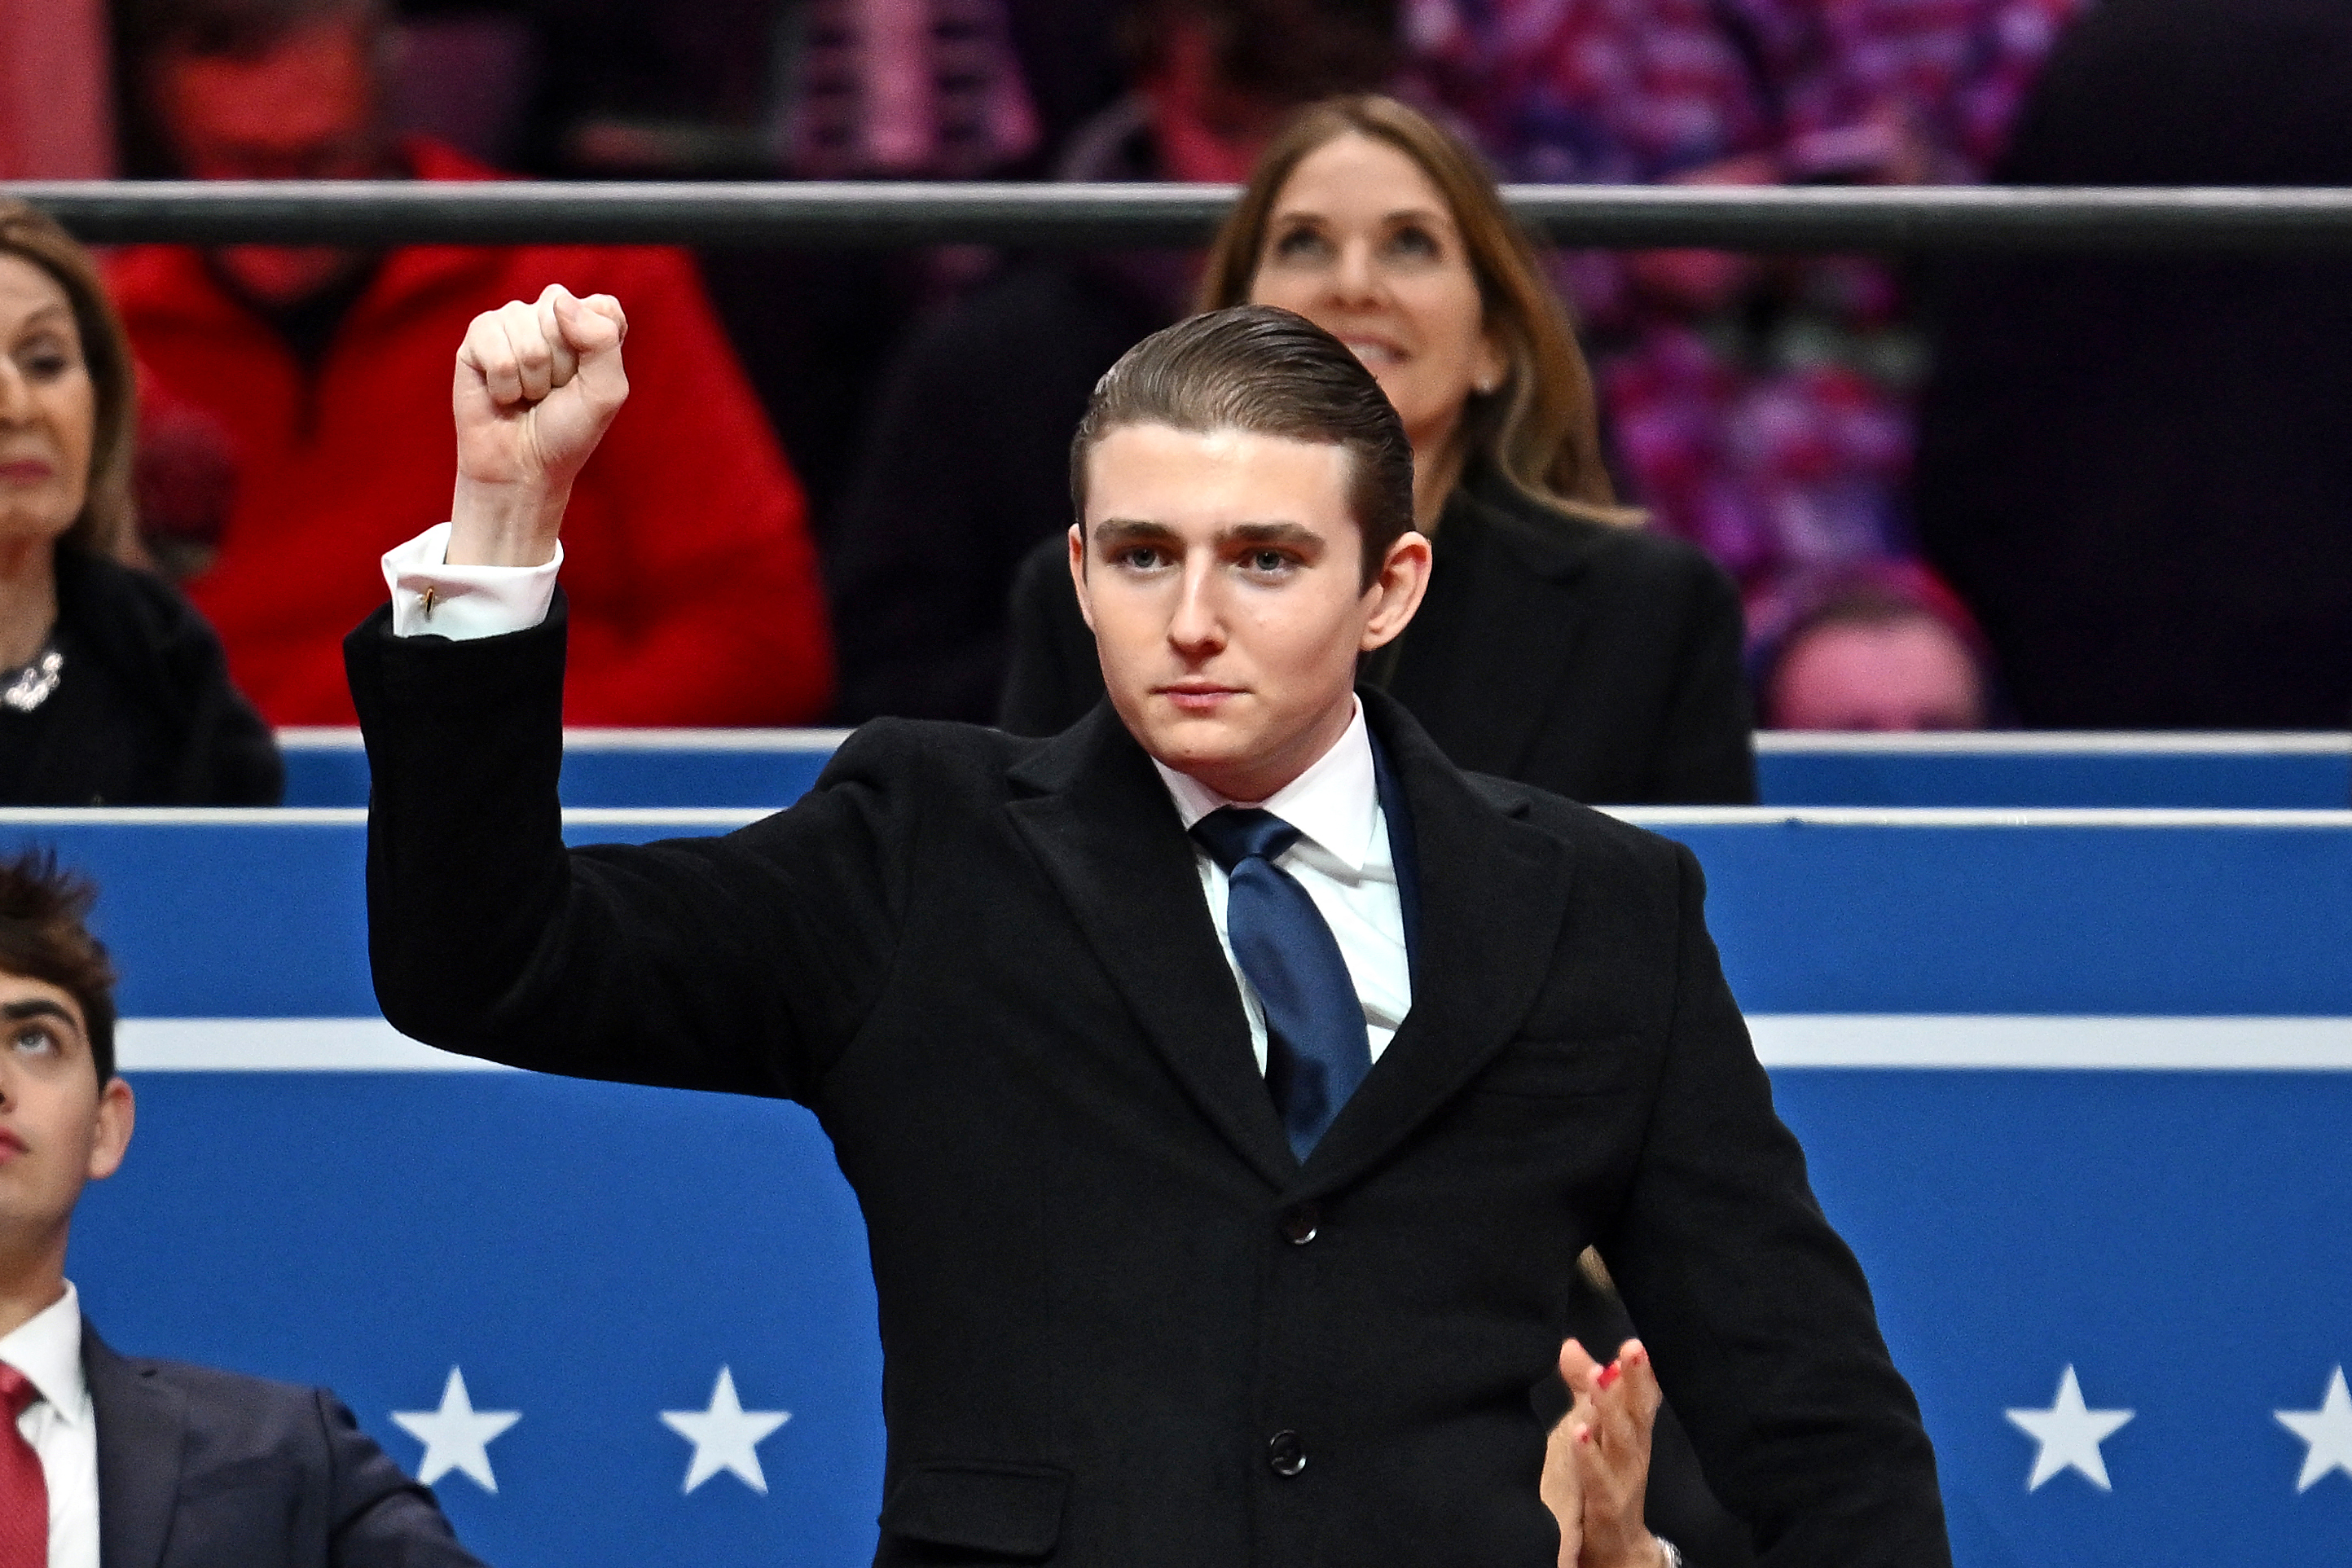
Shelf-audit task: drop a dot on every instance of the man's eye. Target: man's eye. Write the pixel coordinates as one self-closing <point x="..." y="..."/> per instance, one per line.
<point x="33" y="1039"/>
<point x="1141" y="558"/>
<point x="1268" y="560"/>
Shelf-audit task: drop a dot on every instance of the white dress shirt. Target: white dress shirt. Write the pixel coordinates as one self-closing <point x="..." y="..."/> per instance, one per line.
<point x="464" y="602"/>
<point x="1341" y="858"/>
<point x="60" y="1424"/>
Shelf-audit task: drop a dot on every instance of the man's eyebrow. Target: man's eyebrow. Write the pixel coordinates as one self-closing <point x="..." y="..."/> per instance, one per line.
<point x="36" y="1007"/>
<point x="1115" y="531"/>
<point x="1130" y="531"/>
<point x="1296" y="535"/>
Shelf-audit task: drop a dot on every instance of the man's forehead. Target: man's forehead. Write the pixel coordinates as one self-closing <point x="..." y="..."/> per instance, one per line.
<point x="21" y="996"/>
<point x="1215" y="478"/>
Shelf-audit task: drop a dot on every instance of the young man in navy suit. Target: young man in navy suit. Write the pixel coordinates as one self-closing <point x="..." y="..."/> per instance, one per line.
<point x="1229" y="1082"/>
<point x="113" y="1463"/>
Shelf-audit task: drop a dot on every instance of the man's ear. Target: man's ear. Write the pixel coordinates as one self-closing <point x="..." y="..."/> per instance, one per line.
<point x="117" y="1110"/>
<point x="1078" y="571"/>
<point x="1396" y="594"/>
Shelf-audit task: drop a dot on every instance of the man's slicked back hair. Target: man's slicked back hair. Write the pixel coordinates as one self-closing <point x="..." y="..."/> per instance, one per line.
<point x="1261" y="370"/>
<point x="44" y="937"/>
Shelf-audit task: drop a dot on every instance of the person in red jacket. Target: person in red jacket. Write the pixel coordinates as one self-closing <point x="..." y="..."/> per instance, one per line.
<point x="693" y="585"/>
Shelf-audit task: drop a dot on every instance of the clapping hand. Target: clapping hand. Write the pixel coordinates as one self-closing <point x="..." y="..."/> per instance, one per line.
<point x="1597" y="1466"/>
<point x="536" y="386"/>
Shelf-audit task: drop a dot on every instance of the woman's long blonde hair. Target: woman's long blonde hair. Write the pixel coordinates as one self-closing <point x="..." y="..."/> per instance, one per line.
<point x="108" y="520"/>
<point x="1540" y="430"/>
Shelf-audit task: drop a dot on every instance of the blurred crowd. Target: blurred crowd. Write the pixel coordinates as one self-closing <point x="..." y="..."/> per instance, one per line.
<point x="1939" y="493"/>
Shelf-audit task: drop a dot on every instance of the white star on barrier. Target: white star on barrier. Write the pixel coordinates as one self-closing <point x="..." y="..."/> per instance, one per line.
<point x="2070" y="1435"/>
<point x="726" y="1436"/>
<point x="2327" y="1430"/>
<point x="457" y="1436"/>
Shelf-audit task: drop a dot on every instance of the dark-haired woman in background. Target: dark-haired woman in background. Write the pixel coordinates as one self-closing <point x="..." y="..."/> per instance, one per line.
<point x="1559" y="646"/>
<point x="112" y="690"/>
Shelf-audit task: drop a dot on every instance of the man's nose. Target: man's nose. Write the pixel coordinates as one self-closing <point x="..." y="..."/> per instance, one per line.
<point x="1198" y="624"/>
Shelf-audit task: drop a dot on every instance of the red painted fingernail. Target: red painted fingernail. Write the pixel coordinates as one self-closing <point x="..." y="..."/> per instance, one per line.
<point x="1609" y="1375"/>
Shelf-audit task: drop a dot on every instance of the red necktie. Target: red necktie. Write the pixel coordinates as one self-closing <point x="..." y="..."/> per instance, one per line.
<point x="24" y="1489"/>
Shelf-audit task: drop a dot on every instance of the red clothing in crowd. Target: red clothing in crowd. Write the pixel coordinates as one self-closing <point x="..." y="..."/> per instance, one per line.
<point x="694" y="588"/>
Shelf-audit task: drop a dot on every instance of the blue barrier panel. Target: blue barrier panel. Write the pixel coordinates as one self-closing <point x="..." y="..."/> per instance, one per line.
<point x="764" y="768"/>
<point x="2253" y="772"/>
<point x="2257" y="772"/>
<point x="2074" y="1085"/>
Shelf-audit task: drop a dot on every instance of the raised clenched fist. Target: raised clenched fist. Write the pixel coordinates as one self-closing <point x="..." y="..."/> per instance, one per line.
<point x="536" y="386"/>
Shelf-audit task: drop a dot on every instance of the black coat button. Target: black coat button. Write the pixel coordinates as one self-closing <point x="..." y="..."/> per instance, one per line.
<point x="1286" y="1454"/>
<point x="1302" y="1224"/>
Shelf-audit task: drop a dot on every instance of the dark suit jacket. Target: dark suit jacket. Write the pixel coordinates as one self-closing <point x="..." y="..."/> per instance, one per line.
<point x="145" y="714"/>
<point x="1108" y="1294"/>
<point x="199" y="1469"/>
<point x="1599" y="662"/>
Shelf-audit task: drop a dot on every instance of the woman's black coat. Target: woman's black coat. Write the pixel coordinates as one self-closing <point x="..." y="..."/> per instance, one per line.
<point x="143" y="714"/>
<point x="1599" y="662"/>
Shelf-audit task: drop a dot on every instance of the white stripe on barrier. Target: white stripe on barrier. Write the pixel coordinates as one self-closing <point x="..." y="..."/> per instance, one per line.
<point x="1900" y="1040"/>
<point x="280" y="1045"/>
<point x="1979" y="1041"/>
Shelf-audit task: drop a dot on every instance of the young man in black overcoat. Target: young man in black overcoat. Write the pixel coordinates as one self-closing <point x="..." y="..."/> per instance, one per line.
<point x="1229" y="1082"/>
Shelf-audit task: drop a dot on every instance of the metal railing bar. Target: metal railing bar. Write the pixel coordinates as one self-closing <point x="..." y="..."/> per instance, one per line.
<point x="813" y="214"/>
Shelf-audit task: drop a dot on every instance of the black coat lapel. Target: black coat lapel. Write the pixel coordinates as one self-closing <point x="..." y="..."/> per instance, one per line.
<point x="1492" y="892"/>
<point x="1107" y="834"/>
<point x="142" y="1425"/>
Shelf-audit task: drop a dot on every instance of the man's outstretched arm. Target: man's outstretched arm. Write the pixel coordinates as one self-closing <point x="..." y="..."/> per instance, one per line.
<point x="736" y="963"/>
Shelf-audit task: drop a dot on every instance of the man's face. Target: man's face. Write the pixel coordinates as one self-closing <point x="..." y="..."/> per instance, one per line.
<point x="58" y="1129"/>
<point x="306" y="108"/>
<point x="1222" y="575"/>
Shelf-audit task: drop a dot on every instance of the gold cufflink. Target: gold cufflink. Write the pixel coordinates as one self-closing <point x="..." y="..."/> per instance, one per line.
<point x="426" y="602"/>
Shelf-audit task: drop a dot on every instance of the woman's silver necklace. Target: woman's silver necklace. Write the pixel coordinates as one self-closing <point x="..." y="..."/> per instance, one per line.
<point x="30" y="686"/>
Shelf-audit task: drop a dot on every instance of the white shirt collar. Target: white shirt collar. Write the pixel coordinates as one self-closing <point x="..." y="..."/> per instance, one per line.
<point x="46" y="1348"/>
<point x="1335" y="803"/>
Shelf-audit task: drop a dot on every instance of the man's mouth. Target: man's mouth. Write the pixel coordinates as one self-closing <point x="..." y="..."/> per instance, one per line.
<point x="1197" y="697"/>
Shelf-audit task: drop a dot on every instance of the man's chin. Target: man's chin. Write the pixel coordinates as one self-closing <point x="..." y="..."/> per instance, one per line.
<point x="1195" y="744"/>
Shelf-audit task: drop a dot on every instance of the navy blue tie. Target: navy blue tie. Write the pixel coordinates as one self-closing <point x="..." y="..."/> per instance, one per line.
<point x="1317" y="1050"/>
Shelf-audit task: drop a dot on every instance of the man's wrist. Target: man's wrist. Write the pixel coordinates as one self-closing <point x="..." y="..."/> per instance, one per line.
<point x="504" y="525"/>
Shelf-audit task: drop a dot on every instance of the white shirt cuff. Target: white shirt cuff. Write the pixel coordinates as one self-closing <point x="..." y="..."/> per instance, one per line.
<point x="463" y="602"/>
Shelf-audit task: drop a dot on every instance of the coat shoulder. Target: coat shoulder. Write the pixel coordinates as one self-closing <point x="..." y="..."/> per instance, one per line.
<point x="937" y="756"/>
<point x="1562" y="544"/>
<point x="233" y="1412"/>
<point x="139" y="621"/>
